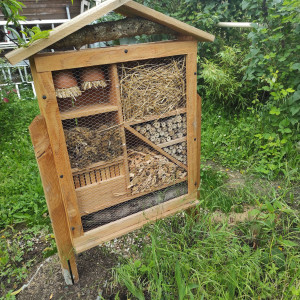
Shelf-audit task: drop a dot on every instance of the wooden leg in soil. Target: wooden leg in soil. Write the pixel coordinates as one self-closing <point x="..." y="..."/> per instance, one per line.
<point x="193" y="211"/>
<point x="57" y="212"/>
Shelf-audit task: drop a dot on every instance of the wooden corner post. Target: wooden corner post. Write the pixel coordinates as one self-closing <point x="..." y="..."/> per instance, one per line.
<point x="193" y="121"/>
<point x="48" y="172"/>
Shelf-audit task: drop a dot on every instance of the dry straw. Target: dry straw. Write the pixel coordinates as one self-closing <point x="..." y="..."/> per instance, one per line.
<point x="152" y="88"/>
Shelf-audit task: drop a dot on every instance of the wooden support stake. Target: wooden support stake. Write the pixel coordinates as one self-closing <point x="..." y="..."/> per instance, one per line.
<point x="45" y="160"/>
<point x="192" y="121"/>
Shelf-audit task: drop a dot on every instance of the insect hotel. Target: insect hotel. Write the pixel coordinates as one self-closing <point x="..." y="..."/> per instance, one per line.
<point x="118" y="138"/>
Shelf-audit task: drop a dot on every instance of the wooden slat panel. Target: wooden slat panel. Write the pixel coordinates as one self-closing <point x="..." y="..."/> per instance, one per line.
<point x="53" y="195"/>
<point x="87" y="110"/>
<point x="49" y="109"/>
<point x="118" y="228"/>
<point x="193" y="155"/>
<point x="91" y="57"/>
<point x="100" y="195"/>
<point x="64" y="30"/>
<point x="133" y="8"/>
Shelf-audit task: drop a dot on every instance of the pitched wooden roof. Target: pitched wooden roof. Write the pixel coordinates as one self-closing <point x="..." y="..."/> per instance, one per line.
<point x="125" y="7"/>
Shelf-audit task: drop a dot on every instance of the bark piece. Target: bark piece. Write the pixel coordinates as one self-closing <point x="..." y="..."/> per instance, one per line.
<point x="109" y="31"/>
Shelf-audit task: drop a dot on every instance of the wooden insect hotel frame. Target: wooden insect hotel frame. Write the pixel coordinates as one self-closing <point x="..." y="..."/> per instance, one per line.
<point x="118" y="138"/>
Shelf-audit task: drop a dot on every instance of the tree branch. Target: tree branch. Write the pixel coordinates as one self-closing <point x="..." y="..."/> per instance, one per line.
<point x="109" y="31"/>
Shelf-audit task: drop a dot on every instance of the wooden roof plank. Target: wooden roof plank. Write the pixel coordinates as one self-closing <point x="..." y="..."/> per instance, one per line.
<point x="134" y="8"/>
<point x="64" y="30"/>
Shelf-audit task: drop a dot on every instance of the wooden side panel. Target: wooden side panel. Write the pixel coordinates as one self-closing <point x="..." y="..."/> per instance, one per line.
<point x="49" y="109"/>
<point x="61" y="229"/>
<point x="101" y="195"/>
<point x="101" y="56"/>
<point x="193" y="150"/>
<point x="118" y="228"/>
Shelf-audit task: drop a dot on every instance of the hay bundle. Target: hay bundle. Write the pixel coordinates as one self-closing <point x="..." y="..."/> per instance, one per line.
<point x="152" y="88"/>
<point x="86" y="145"/>
<point x="149" y="170"/>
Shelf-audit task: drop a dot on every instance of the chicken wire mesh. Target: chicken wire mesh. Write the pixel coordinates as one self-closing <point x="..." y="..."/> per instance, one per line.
<point x="125" y="128"/>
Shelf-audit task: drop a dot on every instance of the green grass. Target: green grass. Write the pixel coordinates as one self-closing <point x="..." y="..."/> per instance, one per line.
<point x="188" y="259"/>
<point x="246" y="140"/>
<point x="22" y="197"/>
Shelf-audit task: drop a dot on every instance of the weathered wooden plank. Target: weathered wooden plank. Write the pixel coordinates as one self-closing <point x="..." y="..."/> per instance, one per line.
<point x="49" y="109"/>
<point x="101" y="195"/>
<point x="115" y="98"/>
<point x="101" y="56"/>
<point x="192" y="121"/>
<point x="88" y="110"/>
<point x="53" y="195"/>
<point x="172" y="142"/>
<point x="92" y="204"/>
<point x="118" y="228"/>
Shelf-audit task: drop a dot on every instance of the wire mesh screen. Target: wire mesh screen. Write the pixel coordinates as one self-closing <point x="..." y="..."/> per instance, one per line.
<point x="125" y="128"/>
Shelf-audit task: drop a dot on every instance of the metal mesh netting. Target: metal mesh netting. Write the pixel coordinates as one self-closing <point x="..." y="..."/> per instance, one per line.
<point x="125" y="129"/>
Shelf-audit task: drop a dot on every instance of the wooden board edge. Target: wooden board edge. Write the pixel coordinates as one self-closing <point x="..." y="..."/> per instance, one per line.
<point x="101" y="56"/>
<point x="128" y="224"/>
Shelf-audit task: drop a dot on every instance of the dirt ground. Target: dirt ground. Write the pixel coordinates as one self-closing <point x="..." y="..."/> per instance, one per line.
<point x="95" y="269"/>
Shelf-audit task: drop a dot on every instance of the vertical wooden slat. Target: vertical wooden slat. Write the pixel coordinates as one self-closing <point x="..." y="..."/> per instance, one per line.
<point x="198" y="162"/>
<point x="193" y="154"/>
<point x="53" y="195"/>
<point x="115" y="98"/>
<point x="49" y="109"/>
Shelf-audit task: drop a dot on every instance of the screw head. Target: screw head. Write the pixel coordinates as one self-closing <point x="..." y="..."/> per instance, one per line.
<point x="44" y="97"/>
<point x="126" y="51"/>
<point x="72" y="228"/>
<point x="195" y="73"/>
<point x="195" y="139"/>
<point x="61" y="176"/>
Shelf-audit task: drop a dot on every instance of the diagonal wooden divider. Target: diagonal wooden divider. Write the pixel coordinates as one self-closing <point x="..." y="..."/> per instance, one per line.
<point x="157" y="148"/>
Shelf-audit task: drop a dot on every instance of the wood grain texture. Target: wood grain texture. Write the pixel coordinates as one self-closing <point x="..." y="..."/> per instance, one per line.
<point x="64" y="30"/>
<point x="157" y="117"/>
<point x="109" y="55"/>
<point x="101" y="195"/>
<point x="90" y="205"/>
<point x="193" y="155"/>
<point x="87" y="110"/>
<point x="49" y="110"/>
<point x="118" y="228"/>
<point x="53" y="195"/>
<point x="115" y="98"/>
<point x="155" y="147"/>
<point x="172" y="142"/>
<point x="198" y="158"/>
<point x="136" y="9"/>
